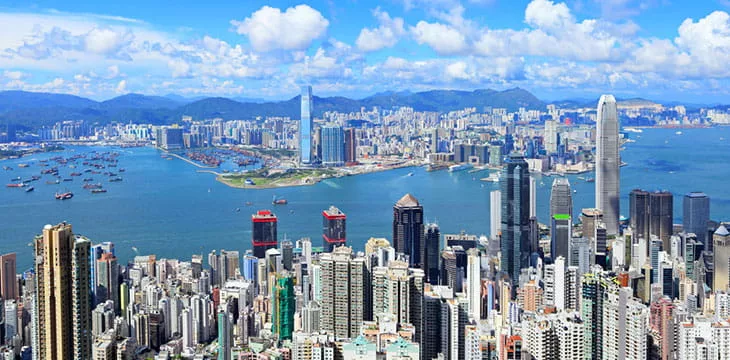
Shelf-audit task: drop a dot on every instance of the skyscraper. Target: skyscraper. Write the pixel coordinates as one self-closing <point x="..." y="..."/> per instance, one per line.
<point x="63" y="295"/>
<point x="350" y="146"/>
<point x="333" y="146"/>
<point x="561" y="199"/>
<point x="8" y="282"/>
<point x="515" y="243"/>
<point x="495" y="213"/>
<point x="225" y="335"/>
<point x="696" y="215"/>
<point x="551" y="136"/>
<point x="398" y="290"/>
<point x="661" y="214"/>
<point x="305" y="127"/>
<point x="561" y="234"/>
<point x="639" y="213"/>
<point x="333" y="228"/>
<point x="264" y="235"/>
<point x="433" y="249"/>
<point x="608" y="163"/>
<point x="408" y="236"/>
<point x="721" y="258"/>
<point x="107" y="280"/>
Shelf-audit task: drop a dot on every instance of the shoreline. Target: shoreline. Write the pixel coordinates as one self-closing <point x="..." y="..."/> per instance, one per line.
<point x="306" y="181"/>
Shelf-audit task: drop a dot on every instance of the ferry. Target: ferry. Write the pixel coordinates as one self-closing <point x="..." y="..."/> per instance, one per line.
<point x="460" y="167"/>
<point x="29" y="189"/>
<point x="64" y="196"/>
<point x="493" y="177"/>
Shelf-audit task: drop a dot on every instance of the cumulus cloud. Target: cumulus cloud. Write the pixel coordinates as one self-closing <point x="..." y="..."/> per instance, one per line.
<point x="271" y="29"/>
<point x="387" y="34"/>
<point x="442" y="38"/>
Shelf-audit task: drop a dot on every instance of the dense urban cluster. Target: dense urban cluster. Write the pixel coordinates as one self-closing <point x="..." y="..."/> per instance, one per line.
<point x="594" y="287"/>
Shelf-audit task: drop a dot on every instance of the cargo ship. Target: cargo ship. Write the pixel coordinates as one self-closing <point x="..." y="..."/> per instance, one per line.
<point x="98" y="191"/>
<point x="14" y="185"/>
<point x="64" y="196"/>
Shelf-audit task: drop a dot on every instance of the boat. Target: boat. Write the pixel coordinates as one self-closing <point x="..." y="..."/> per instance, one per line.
<point x="633" y="130"/>
<point x="238" y="209"/>
<point x="75" y="174"/>
<point x="493" y="177"/>
<point x="460" y="167"/>
<point x="64" y="196"/>
<point x="248" y="203"/>
<point x="279" y="201"/>
<point x="15" y="185"/>
<point x="29" y="189"/>
<point x="410" y="174"/>
<point x="678" y="133"/>
<point x="68" y="179"/>
<point x="7" y="168"/>
<point x="98" y="191"/>
<point x="15" y="179"/>
<point x="23" y="165"/>
<point x="53" y="182"/>
<point x="115" y="179"/>
<point x="35" y="177"/>
<point x="590" y="180"/>
<point x="92" y="186"/>
<point x="122" y="170"/>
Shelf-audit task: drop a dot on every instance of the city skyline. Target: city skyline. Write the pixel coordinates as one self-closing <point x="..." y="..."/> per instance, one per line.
<point x="362" y="48"/>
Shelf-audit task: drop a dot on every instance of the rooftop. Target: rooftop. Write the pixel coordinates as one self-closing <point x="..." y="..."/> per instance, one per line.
<point x="407" y="201"/>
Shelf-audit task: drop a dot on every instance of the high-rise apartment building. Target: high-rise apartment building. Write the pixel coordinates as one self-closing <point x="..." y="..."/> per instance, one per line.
<point x="721" y="258"/>
<point x="515" y="244"/>
<point x="398" y="290"/>
<point x="408" y="231"/>
<point x="62" y="309"/>
<point x="305" y="127"/>
<point x="334" y="231"/>
<point x="283" y="303"/>
<point x="345" y="300"/>
<point x="625" y="325"/>
<point x="264" y="235"/>
<point x="608" y="163"/>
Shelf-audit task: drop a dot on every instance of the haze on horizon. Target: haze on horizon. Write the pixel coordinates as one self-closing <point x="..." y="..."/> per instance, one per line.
<point x="557" y="50"/>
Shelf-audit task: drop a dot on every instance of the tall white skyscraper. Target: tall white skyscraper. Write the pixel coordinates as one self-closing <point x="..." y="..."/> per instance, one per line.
<point x="533" y="196"/>
<point x="551" y="136"/>
<point x="305" y="127"/>
<point x="495" y="213"/>
<point x="608" y="163"/>
<point x="474" y="284"/>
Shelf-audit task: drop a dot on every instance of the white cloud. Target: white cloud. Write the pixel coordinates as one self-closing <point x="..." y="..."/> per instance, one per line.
<point x="14" y="75"/>
<point x="443" y="39"/>
<point x="387" y="34"/>
<point x="457" y="71"/>
<point x="121" y="87"/>
<point x="271" y="29"/>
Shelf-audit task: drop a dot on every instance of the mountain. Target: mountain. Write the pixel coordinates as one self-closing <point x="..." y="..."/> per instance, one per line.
<point x="139" y="101"/>
<point x="16" y="100"/>
<point x="30" y="110"/>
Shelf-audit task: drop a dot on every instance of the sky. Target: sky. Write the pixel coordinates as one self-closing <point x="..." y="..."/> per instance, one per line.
<point x="669" y="50"/>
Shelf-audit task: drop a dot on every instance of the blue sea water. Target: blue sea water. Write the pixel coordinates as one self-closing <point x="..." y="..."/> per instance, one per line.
<point x="165" y="207"/>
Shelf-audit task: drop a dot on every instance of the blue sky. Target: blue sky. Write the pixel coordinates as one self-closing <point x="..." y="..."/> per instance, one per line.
<point x="658" y="49"/>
